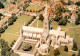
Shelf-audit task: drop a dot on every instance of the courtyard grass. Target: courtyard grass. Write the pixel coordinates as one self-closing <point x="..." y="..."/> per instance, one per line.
<point x="13" y="31"/>
<point x="21" y="47"/>
<point x="34" y="8"/>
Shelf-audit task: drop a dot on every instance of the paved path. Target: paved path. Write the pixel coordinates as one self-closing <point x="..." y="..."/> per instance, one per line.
<point x="34" y="21"/>
<point x="11" y="34"/>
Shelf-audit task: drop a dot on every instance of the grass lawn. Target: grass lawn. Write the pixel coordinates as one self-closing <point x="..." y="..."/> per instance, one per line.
<point x="34" y="8"/>
<point x="13" y="31"/>
<point x="62" y="52"/>
<point x="73" y="32"/>
<point x="33" y="46"/>
<point x="40" y="24"/>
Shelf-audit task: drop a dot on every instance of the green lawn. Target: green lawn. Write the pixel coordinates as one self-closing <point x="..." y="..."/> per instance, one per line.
<point x="73" y="32"/>
<point x="13" y="31"/>
<point x="40" y="24"/>
<point x="62" y="52"/>
<point x="34" y="8"/>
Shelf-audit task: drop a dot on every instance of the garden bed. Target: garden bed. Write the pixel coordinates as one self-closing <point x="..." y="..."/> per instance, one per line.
<point x="32" y="47"/>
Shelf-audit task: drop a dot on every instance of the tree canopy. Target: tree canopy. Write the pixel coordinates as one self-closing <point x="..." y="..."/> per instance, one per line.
<point x="1" y="5"/>
<point x="27" y="47"/>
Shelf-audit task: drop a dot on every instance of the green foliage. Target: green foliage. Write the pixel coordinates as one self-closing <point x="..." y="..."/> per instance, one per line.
<point x="1" y="30"/>
<point x="27" y="47"/>
<point x="73" y="55"/>
<point x="4" y="47"/>
<point x="78" y="3"/>
<point x="25" y="6"/>
<point x="56" y="52"/>
<point x="5" y="27"/>
<point x="64" y="3"/>
<point x="3" y="1"/>
<point x="15" y="54"/>
<point x="65" y="48"/>
<point x="62" y="22"/>
<point x="77" y="22"/>
<point x="29" y="22"/>
<point x="8" y="53"/>
<point x="1" y="5"/>
<point x="0" y="17"/>
<point x="15" y="0"/>
<point x="1" y="14"/>
<point x="57" y="18"/>
<point x="12" y="19"/>
<point x="70" y="2"/>
<point x="41" y="17"/>
<point x="74" y="46"/>
<point x="78" y="53"/>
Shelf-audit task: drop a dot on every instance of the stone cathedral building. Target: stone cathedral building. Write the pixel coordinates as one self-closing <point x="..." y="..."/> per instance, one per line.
<point x="43" y="38"/>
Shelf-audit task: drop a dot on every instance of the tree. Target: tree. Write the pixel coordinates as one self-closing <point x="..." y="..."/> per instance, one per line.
<point x="41" y="17"/>
<point x="78" y="53"/>
<point x="78" y="3"/>
<point x="74" y="46"/>
<point x="4" y="47"/>
<point x="56" y="52"/>
<point x="1" y="14"/>
<point x="0" y="17"/>
<point x="5" y="27"/>
<point x="65" y="48"/>
<point x="12" y="19"/>
<point x="1" y="5"/>
<point x="3" y="1"/>
<point x="8" y="54"/>
<point x="27" y="47"/>
<point x="62" y="22"/>
<point x="1" y="30"/>
<point x="15" y="54"/>
<point x="70" y="2"/>
<point x="25" y="6"/>
<point x="73" y="55"/>
<point x="77" y="22"/>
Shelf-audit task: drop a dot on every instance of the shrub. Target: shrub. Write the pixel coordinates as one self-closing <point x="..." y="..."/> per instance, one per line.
<point x="73" y="55"/>
<point x="78" y="53"/>
<point x="65" y="48"/>
<point x="56" y="52"/>
<point x="1" y="30"/>
<point x="74" y="46"/>
<point x="5" y="27"/>
<point x="27" y="47"/>
<point x="62" y="22"/>
<point x="41" y="17"/>
<point x="11" y="45"/>
<point x="14" y="40"/>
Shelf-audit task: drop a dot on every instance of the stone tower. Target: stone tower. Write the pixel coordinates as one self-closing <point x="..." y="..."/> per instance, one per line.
<point x="45" y="27"/>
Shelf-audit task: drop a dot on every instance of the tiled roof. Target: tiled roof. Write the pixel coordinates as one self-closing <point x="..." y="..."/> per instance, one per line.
<point x="1" y="10"/>
<point x="64" y="14"/>
<point x="3" y="20"/>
